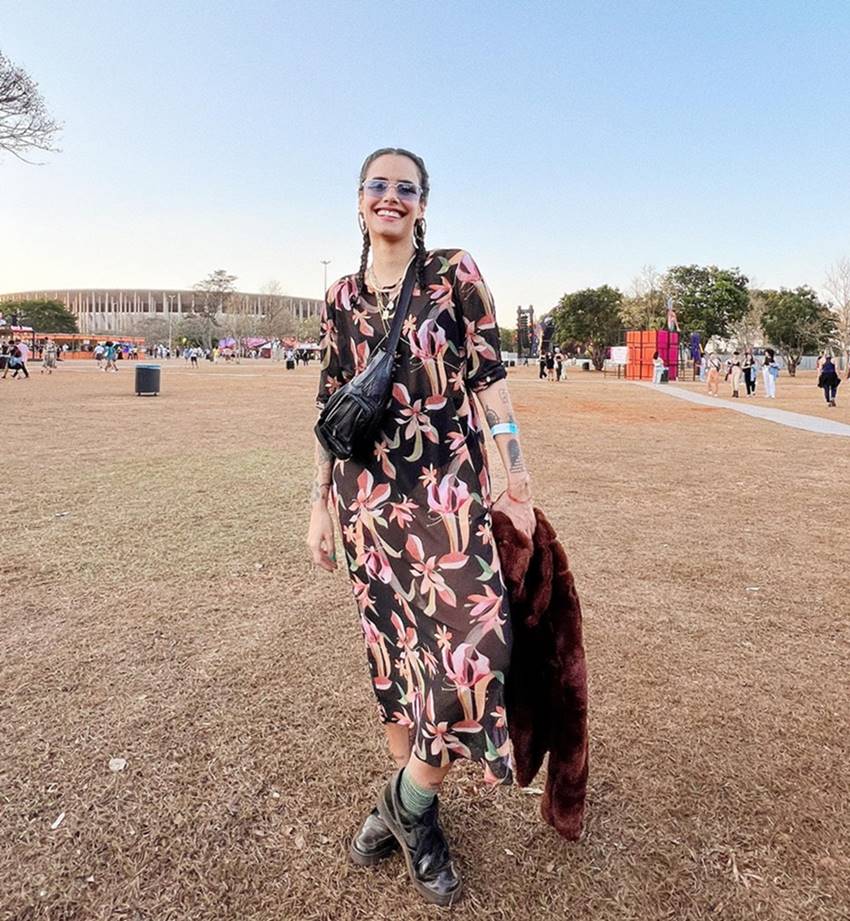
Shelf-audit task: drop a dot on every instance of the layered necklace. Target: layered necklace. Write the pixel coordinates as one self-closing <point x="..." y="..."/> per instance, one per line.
<point x="386" y="295"/>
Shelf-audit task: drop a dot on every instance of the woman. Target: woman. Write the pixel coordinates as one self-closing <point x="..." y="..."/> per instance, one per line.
<point x="769" y="373"/>
<point x="48" y="358"/>
<point x="658" y="368"/>
<point x="748" y="366"/>
<point x="415" y="515"/>
<point x="829" y="380"/>
<point x="734" y="374"/>
<point x="714" y="366"/>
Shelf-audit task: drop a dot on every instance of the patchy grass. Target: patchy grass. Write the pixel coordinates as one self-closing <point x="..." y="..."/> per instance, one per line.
<point x="159" y="606"/>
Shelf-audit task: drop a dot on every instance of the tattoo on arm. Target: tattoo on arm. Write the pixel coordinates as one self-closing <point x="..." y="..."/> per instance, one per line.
<point x="515" y="461"/>
<point x="491" y="416"/>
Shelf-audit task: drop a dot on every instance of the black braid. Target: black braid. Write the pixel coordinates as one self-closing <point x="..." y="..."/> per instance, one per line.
<point x="421" y="253"/>
<point x="360" y="281"/>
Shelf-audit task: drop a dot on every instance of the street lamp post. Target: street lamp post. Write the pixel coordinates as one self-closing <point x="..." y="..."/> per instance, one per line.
<point x="170" y="309"/>
<point x="325" y="264"/>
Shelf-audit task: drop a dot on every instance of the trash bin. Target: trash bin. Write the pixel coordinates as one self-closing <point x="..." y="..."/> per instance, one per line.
<point x="147" y="379"/>
<point x="585" y="366"/>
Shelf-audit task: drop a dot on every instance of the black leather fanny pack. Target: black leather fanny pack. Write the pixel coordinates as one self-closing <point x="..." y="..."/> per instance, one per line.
<point x="351" y="419"/>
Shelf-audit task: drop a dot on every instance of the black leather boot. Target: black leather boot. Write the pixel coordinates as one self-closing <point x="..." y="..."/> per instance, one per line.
<point x="373" y="842"/>
<point x="423" y="844"/>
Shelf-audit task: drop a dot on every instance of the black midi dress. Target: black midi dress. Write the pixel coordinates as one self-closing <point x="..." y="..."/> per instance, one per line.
<point x="415" y="517"/>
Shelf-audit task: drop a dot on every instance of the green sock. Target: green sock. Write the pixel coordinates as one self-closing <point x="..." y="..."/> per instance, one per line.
<point x="414" y="799"/>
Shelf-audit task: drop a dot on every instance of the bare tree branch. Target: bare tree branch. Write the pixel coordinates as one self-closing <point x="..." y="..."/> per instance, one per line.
<point x="25" y="123"/>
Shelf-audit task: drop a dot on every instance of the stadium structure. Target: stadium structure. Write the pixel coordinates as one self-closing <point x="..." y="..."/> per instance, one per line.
<point x="117" y="310"/>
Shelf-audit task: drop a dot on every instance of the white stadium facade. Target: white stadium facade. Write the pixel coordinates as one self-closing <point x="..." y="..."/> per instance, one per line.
<point x="117" y="310"/>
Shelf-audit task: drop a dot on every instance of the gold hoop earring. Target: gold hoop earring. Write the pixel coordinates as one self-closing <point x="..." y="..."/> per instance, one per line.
<point x="361" y="221"/>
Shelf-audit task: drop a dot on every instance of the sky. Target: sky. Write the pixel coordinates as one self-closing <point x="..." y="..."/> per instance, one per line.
<point x="569" y="144"/>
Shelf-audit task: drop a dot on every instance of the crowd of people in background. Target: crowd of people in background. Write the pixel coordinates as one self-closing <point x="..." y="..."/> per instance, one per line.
<point x="551" y="365"/>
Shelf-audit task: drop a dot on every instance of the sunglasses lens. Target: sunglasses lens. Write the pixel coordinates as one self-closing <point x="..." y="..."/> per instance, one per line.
<point x="407" y="191"/>
<point x="376" y="188"/>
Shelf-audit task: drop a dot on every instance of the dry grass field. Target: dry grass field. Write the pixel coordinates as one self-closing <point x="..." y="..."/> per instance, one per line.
<point x="158" y="606"/>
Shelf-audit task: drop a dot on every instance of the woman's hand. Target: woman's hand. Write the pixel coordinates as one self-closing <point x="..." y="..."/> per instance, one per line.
<point x="320" y="537"/>
<point x="521" y="514"/>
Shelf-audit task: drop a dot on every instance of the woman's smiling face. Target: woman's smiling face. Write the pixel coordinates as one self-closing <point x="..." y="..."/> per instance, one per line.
<point x="390" y="214"/>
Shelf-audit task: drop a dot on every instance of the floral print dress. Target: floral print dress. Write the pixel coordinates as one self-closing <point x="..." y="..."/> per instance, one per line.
<point x="415" y="516"/>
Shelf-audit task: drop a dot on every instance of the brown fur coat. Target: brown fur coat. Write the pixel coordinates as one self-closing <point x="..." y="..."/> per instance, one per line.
<point x="546" y="690"/>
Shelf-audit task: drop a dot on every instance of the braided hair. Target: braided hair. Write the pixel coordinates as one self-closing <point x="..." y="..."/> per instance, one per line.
<point x="418" y="227"/>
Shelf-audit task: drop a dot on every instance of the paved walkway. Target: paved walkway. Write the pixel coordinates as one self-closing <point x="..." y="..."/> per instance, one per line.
<point x="780" y="416"/>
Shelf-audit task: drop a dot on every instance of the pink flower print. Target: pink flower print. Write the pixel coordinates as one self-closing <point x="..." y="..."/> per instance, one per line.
<point x="441" y="293"/>
<point x="328" y="342"/>
<point x="360" y="352"/>
<point x="367" y="504"/>
<point x="449" y="496"/>
<point x="344" y="292"/>
<point x="476" y="344"/>
<point x="430" y="662"/>
<point x="469" y="671"/>
<point x="429" y="341"/>
<point x="361" y="318"/>
<point x="401" y="718"/>
<point x="364" y="600"/>
<point x="376" y="645"/>
<point x="406" y="636"/>
<point x="428" y="572"/>
<point x="466" y="666"/>
<point x="459" y="448"/>
<point x="415" y="414"/>
<point x="485" y="533"/>
<point x="444" y="637"/>
<point x="408" y="327"/>
<point x="457" y="380"/>
<point x="487" y="610"/>
<point x="467" y="270"/>
<point x="402" y="512"/>
<point x="377" y="564"/>
<point x="382" y="453"/>
<point x="429" y="475"/>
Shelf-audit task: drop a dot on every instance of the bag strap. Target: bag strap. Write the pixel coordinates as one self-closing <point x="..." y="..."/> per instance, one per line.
<point x="400" y="314"/>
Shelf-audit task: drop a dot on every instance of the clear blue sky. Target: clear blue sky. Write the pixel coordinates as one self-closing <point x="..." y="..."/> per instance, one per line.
<point x="569" y="144"/>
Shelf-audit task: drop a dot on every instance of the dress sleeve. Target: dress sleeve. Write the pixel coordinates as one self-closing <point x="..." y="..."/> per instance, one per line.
<point x="481" y="332"/>
<point x="330" y="376"/>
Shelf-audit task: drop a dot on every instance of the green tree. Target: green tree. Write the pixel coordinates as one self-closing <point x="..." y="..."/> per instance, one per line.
<point x="42" y="316"/>
<point x="591" y="317"/>
<point x="796" y="322"/>
<point x="507" y="339"/>
<point x="215" y="297"/>
<point x="708" y="300"/>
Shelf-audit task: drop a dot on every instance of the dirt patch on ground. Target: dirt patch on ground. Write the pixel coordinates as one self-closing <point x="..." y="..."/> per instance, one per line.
<point x="158" y="606"/>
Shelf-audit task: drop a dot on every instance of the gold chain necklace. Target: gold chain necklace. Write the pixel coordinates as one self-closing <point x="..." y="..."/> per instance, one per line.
<point x="391" y="291"/>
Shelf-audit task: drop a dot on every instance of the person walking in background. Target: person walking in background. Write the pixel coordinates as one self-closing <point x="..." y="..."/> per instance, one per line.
<point x="735" y="374"/>
<point x="542" y="366"/>
<point x="110" y="354"/>
<point x="829" y="380"/>
<point x="415" y="517"/>
<point x="98" y="356"/>
<point x="769" y="373"/>
<point x="713" y="374"/>
<point x="559" y="365"/>
<point x="21" y="354"/>
<point x="48" y="357"/>
<point x="550" y="366"/>
<point x="748" y="366"/>
<point x="658" y="368"/>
